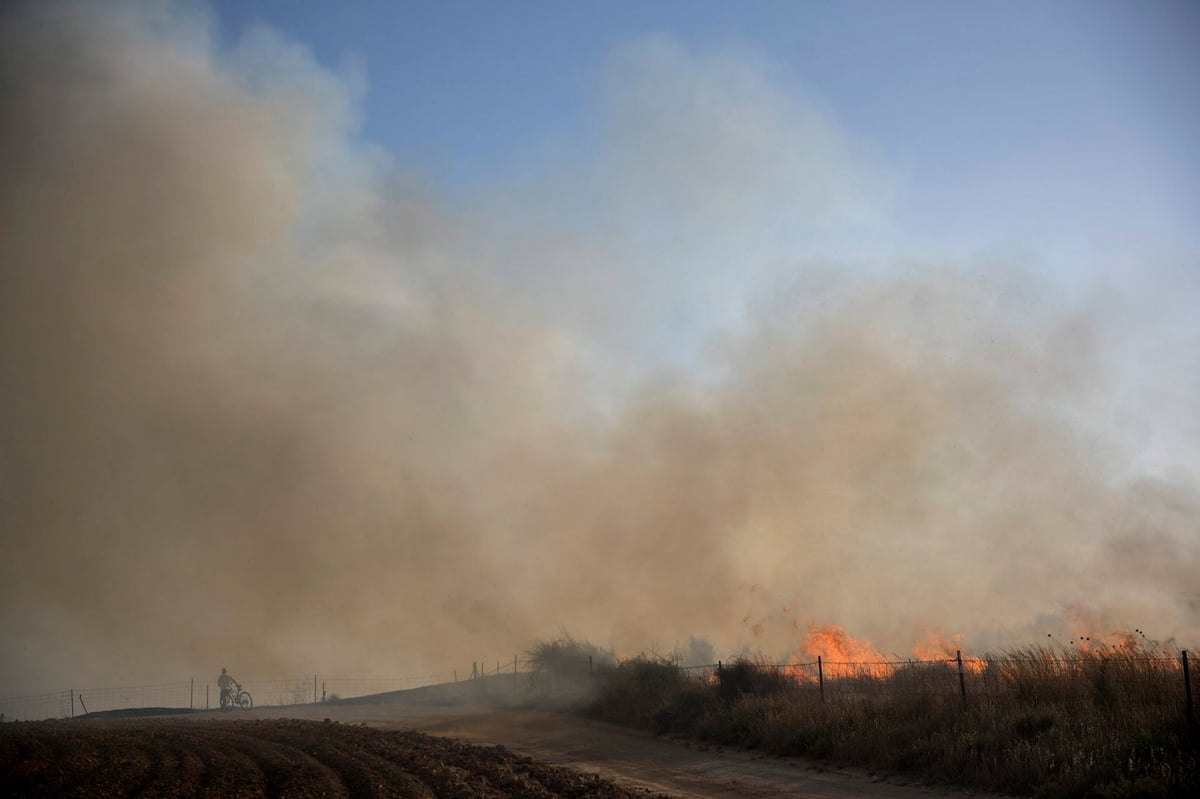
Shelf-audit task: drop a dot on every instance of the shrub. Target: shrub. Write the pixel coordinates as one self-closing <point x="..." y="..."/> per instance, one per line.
<point x="747" y="678"/>
<point x="566" y="655"/>
<point x="687" y="711"/>
<point x="636" y="691"/>
<point x="1034" y="722"/>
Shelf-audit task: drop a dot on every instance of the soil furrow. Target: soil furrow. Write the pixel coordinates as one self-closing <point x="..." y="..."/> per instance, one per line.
<point x="224" y="772"/>
<point x="291" y="772"/>
<point x="366" y="772"/>
<point x="270" y="759"/>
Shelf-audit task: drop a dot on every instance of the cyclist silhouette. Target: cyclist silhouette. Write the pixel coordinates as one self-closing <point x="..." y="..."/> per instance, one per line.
<point x="225" y="682"/>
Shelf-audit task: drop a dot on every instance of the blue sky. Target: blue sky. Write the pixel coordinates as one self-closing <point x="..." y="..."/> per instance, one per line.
<point x="1003" y="124"/>
<point x="673" y="166"/>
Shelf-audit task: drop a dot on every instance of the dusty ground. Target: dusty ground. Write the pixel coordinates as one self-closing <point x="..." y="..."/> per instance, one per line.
<point x="270" y="758"/>
<point x="378" y="750"/>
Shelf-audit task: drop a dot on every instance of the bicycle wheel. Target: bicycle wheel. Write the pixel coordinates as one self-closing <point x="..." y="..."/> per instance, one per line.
<point x="244" y="701"/>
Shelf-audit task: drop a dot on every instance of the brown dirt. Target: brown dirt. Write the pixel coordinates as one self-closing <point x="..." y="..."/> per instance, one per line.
<point x="631" y="758"/>
<point x="402" y="749"/>
<point x="270" y="758"/>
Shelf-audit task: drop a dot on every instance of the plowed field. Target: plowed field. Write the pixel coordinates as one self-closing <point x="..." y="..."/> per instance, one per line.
<point x="270" y="758"/>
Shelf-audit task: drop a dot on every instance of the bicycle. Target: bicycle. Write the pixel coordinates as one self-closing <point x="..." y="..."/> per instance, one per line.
<point x="236" y="697"/>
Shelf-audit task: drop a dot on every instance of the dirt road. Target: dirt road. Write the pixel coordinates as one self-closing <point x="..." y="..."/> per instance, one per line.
<point x="630" y="758"/>
<point x="397" y="749"/>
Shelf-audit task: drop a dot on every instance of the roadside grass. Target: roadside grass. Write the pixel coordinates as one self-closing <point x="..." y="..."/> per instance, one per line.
<point x="1102" y="723"/>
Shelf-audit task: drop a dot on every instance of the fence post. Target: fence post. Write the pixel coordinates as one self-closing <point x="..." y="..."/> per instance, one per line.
<point x="962" y="683"/>
<point x="821" y="677"/>
<point x="1187" y="686"/>
<point x="314" y="689"/>
<point x="72" y="703"/>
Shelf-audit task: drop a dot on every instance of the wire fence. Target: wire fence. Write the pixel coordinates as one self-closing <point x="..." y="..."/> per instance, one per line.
<point x="1115" y="680"/>
<point x="483" y="678"/>
<point x="1106" y="678"/>
<point x="203" y="695"/>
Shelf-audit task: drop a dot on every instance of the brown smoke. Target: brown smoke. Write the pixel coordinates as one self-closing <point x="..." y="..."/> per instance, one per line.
<point x="264" y="406"/>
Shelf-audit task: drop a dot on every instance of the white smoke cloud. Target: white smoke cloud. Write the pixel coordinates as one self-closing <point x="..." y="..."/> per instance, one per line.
<point x="708" y="182"/>
<point x="266" y="405"/>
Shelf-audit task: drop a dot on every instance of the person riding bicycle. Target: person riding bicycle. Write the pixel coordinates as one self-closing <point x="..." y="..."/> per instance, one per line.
<point x="225" y="682"/>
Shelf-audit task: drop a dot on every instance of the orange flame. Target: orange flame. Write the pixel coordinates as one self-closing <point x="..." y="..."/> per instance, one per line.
<point x="844" y="655"/>
<point x="939" y="646"/>
<point x="840" y="651"/>
<point x="834" y="644"/>
<point x="1098" y="642"/>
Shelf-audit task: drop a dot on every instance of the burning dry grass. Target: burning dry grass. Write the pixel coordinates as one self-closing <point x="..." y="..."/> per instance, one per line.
<point x="1099" y="720"/>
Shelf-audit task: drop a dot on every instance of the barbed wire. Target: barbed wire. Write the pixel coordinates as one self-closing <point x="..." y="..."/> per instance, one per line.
<point x="984" y="675"/>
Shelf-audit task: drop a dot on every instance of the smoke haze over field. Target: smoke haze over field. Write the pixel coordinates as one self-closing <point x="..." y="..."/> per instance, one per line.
<point x="268" y="402"/>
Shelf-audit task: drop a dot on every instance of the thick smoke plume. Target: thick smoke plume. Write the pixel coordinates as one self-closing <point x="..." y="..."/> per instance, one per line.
<point x="266" y="405"/>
